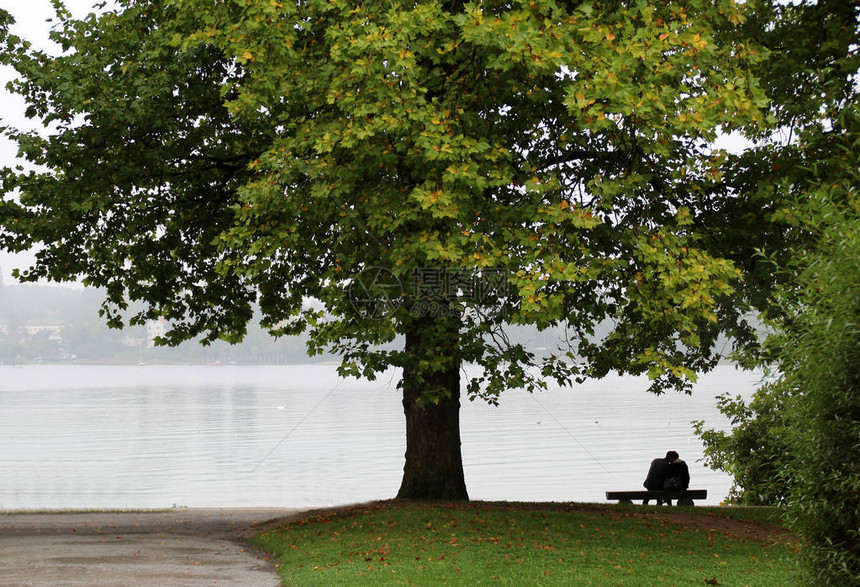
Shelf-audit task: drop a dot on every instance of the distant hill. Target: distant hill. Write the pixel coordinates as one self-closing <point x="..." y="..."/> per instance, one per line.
<point x="27" y="311"/>
<point x="49" y="304"/>
<point x="31" y="314"/>
<point x="86" y="338"/>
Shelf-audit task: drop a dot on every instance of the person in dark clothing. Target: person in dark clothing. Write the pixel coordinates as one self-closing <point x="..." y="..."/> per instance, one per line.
<point x="659" y="471"/>
<point x="679" y="475"/>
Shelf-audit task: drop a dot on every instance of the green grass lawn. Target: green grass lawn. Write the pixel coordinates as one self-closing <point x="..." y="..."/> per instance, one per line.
<point x="524" y="544"/>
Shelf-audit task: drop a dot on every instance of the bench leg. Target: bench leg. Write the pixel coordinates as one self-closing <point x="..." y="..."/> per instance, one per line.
<point x="685" y="501"/>
<point x="625" y="501"/>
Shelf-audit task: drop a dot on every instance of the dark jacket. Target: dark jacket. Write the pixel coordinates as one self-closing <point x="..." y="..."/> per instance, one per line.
<point x="679" y="470"/>
<point x="657" y="474"/>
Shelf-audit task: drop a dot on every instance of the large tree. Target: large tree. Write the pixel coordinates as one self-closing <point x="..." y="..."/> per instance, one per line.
<point x="428" y="171"/>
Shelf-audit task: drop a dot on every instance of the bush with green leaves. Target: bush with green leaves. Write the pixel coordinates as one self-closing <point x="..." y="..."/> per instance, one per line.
<point x="796" y="441"/>
<point x="801" y="434"/>
<point x="821" y="355"/>
<point x="756" y="451"/>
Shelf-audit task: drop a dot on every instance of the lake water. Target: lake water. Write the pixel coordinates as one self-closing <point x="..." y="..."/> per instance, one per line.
<point x="296" y="436"/>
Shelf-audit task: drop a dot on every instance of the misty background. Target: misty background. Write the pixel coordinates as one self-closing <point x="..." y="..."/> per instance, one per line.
<point x="54" y="324"/>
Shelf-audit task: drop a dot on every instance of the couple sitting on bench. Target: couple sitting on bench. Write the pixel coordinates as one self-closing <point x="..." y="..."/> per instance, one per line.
<point x="669" y="473"/>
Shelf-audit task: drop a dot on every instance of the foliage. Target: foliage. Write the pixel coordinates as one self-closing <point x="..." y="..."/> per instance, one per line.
<point x="204" y="153"/>
<point x="807" y="424"/>
<point x="820" y="353"/>
<point x="756" y="451"/>
<point x="515" y="544"/>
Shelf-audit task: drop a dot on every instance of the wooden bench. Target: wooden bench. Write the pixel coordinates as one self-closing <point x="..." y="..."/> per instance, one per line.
<point x="682" y="497"/>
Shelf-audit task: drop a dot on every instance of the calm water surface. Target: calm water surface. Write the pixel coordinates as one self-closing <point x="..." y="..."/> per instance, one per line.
<point x="294" y="436"/>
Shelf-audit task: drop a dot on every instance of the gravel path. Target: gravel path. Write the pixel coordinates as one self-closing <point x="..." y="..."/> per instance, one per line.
<point x="183" y="547"/>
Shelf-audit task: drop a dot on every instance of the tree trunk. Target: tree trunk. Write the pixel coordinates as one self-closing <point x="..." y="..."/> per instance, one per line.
<point x="431" y="402"/>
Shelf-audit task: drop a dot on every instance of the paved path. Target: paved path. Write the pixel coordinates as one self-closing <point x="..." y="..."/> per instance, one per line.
<point x="183" y="547"/>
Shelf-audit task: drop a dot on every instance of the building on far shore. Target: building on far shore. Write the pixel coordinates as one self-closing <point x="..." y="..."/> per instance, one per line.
<point x="53" y="331"/>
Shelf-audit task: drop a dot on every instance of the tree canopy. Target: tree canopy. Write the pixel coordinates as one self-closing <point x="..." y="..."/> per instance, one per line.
<point x="490" y="163"/>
